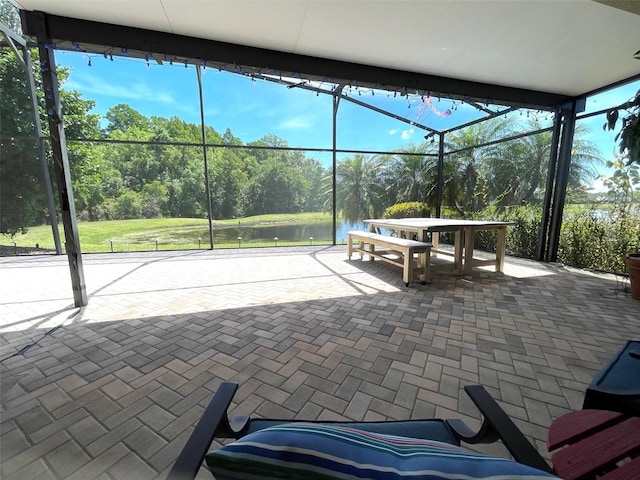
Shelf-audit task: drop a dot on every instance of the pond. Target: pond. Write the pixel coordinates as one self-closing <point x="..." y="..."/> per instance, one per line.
<point x="320" y="232"/>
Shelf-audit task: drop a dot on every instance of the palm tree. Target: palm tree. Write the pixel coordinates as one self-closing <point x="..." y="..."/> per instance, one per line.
<point x="516" y="175"/>
<point x="466" y="172"/>
<point x="527" y="162"/>
<point x="585" y="155"/>
<point x="511" y="172"/>
<point x="359" y="187"/>
<point x="411" y="175"/>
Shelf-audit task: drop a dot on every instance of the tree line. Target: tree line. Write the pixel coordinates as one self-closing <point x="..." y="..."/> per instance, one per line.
<point x="156" y="168"/>
<point x="136" y="166"/>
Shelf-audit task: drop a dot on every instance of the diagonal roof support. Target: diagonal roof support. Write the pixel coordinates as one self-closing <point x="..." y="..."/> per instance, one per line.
<point x="24" y="57"/>
<point x="61" y="162"/>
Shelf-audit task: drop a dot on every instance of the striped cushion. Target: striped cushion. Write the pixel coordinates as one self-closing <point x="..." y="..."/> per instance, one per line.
<point x="315" y="451"/>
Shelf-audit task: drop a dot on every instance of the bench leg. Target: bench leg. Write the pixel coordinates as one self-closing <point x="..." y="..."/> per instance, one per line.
<point x="372" y="249"/>
<point x="407" y="268"/>
<point x="349" y="246"/>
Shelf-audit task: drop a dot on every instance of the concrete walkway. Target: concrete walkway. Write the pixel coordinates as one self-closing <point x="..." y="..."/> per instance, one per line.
<point x="112" y="390"/>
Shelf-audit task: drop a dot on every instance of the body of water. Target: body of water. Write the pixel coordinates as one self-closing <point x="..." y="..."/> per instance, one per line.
<point x="320" y="232"/>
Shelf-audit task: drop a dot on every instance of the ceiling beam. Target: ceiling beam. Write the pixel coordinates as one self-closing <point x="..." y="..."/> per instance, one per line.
<point x="97" y="37"/>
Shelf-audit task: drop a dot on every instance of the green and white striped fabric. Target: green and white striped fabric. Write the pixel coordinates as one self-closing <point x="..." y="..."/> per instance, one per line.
<point x="314" y="451"/>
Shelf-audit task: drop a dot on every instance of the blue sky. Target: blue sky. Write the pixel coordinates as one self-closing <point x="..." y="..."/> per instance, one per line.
<point x="252" y="109"/>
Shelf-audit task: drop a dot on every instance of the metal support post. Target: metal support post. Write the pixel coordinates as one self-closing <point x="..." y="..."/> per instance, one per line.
<point x="204" y="156"/>
<point x="548" y="193"/>
<point x="61" y="161"/>
<point x="440" y="185"/>
<point x="336" y="103"/>
<point x="562" y="179"/>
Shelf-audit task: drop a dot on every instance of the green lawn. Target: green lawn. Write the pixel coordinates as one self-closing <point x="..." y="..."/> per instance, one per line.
<point x="171" y="233"/>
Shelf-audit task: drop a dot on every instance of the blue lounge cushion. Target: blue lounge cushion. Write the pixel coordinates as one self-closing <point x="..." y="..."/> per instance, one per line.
<point x="431" y="429"/>
<point x="315" y="451"/>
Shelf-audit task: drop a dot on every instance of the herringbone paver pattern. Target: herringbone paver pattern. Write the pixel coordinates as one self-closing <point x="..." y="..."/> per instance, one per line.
<point x="113" y="390"/>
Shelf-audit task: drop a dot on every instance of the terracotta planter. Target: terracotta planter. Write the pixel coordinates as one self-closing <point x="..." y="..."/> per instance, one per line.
<point x="632" y="261"/>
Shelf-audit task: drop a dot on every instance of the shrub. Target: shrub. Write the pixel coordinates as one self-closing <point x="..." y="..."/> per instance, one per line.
<point x="522" y="236"/>
<point x="593" y="238"/>
<point x="128" y="205"/>
<point x="407" y="210"/>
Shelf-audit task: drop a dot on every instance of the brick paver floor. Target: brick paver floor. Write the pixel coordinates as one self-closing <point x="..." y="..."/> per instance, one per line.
<point x="112" y="390"/>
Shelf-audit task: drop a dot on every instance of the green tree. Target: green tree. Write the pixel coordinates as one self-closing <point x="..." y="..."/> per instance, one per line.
<point x="122" y="117"/>
<point x="412" y="175"/>
<point x="359" y="187"/>
<point x="154" y="198"/>
<point x="275" y="188"/>
<point x="10" y="16"/>
<point x="229" y="139"/>
<point x="312" y="172"/>
<point x="128" y="205"/>
<point x="22" y="198"/>
<point x="521" y="173"/>
<point x="511" y="172"/>
<point x="585" y="158"/>
<point x="135" y="161"/>
<point x="228" y="179"/>
<point x="276" y="177"/>
<point x="467" y="170"/>
<point x="179" y="168"/>
<point x="85" y="159"/>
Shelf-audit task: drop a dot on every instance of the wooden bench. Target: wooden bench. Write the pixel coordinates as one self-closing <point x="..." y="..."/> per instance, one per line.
<point x="397" y="251"/>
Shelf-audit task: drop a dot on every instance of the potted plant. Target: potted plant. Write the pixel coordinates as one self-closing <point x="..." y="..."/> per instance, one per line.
<point x="629" y="148"/>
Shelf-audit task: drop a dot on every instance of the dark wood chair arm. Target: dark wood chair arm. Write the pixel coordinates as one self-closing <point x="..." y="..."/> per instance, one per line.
<point x="214" y="422"/>
<point x="497" y="423"/>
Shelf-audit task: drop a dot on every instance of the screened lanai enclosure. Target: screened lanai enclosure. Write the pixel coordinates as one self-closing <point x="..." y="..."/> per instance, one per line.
<point x="265" y="148"/>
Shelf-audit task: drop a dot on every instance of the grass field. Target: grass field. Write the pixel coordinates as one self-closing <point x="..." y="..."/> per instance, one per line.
<point x="170" y="233"/>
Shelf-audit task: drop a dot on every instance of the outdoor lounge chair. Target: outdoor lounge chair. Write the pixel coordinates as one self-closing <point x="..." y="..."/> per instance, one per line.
<point x="572" y="429"/>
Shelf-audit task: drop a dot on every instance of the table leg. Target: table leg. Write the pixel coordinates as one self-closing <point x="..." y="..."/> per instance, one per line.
<point x="469" y="235"/>
<point x="457" y="251"/>
<point x="501" y="246"/>
<point x="372" y="229"/>
<point x="435" y="241"/>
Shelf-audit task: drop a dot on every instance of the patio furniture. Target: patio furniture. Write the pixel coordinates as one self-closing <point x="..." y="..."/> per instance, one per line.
<point x="588" y="444"/>
<point x="402" y="253"/>
<point x="592" y="443"/>
<point x="617" y="386"/>
<point x="448" y="433"/>
<point x="464" y="234"/>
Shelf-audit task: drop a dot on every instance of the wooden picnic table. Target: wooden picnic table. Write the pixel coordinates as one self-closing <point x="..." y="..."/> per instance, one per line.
<point x="464" y="233"/>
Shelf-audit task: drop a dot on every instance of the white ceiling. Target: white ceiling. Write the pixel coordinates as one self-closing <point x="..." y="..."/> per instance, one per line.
<point x="567" y="47"/>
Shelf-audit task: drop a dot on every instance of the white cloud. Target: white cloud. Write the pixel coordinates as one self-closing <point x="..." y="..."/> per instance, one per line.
<point x="300" y="122"/>
<point x="393" y="131"/>
<point x="88" y="83"/>
<point x="407" y="134"/>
